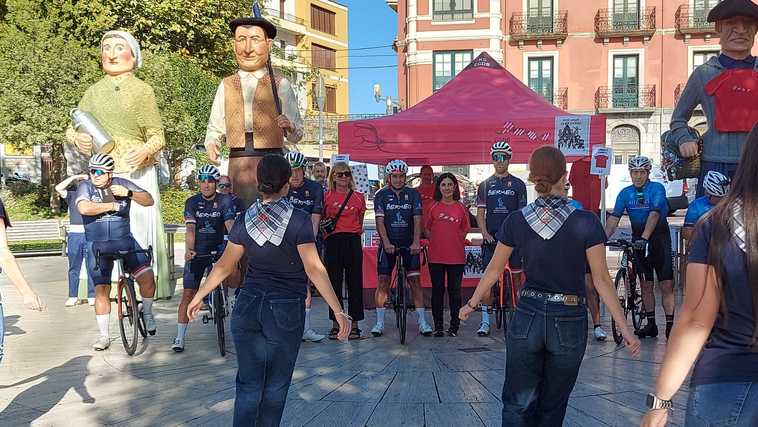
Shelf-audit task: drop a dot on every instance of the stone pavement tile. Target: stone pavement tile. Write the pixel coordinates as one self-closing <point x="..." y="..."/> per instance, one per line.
<point x="343" y="414"/>
<point x="18" y="415"/>
<point x="412" y="387"/>
<point x="366" y="387"/>
<point x="413" y="359"/>
<point x="489" y="413"/>
<point x="298" y="413"/>
<point x="400" y="414"/>
<point x="636" y="400"/>
<point x="319" y="386"/>
<point x="574" y="418"/>
<point x="606" y="411"/>
<point x="461" y="387"/>
<point x="493" y="357"/>
<point x="582" y="389"/>
<point x="451" y="415"/>
<point x="491" y="380"/>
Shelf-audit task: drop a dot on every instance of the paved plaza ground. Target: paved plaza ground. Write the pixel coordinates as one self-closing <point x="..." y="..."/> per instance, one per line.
<point x="51" y="377"/>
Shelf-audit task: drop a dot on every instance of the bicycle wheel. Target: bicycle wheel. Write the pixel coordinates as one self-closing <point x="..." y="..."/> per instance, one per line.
<point x="395" y="300"/>
<point x="621" y="292"/>
<point x="128" y="315"/>
<point x="141" y="321"/>
<point x="218" y="318"/>
<point x="509" y="305"/>
<point x="635" y="298"/>
<point x="402" y="292"/>
<point x="497" y="306"/>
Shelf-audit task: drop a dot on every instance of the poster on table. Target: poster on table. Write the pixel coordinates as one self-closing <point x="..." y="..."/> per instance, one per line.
<point x="572" y="135"/>
<point x="474" y="268"/>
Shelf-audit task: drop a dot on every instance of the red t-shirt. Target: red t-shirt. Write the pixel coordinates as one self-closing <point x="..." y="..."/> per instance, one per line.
<point x="447" y="226"/>
<point x="427" y="199"/>
<point x="736" y="98"/>
<point x="586" y="187"/>
<point x="351" y="218"/>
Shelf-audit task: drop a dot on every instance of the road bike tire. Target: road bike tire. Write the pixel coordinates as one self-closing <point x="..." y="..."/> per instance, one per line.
<point x="635" y="297"/>
<point x="218" y="319"/>
<point x="497" y="305"/>
<point x="509" y="307"/>
<point x="395" y="305"/>
<point x="141" y="321"/>
<point x="622" y="292"/>
<point x="402" y="291"/>
<point x="128" y="316"/>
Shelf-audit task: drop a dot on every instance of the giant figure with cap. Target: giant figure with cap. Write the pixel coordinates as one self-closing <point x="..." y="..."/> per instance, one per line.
<point x="726" y="88"/>
<point x="254" y="108"/>
<point x="126" y="108"/>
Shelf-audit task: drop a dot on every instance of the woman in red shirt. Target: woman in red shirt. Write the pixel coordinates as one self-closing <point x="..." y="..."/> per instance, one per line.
<point x="446" y="227"/>
<point x="343" y="251"/>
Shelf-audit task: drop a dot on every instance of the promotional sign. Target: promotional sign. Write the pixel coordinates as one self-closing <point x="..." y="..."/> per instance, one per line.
<point x="474" y="268"/>
<point x="572" y="135"/>
<point x="601" y="161"/>
<point x="344" y="158"/>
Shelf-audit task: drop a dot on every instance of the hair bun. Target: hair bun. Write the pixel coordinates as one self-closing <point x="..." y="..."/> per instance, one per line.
<point x="266" y="187"/>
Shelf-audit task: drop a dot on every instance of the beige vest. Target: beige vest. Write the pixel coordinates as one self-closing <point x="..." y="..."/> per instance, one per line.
<point x="266" y="133"/>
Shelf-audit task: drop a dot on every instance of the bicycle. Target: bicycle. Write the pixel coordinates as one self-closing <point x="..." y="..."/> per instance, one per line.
<point x="399" y="295"/>
<point x="502" y="308"/>
<point x="217" y="307"/>
<point x="628" y="284"/>
<point x="131" y="321"/>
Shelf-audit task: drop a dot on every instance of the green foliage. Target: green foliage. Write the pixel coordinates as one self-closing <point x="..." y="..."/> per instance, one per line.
<point x="35" y="245"/>
<point x="28" y="202"/>
<point x="172" y="204"/>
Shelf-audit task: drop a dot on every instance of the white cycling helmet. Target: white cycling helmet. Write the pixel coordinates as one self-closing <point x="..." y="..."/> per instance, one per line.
<point x="396" y="166"/>
<point x="296" y="159"/>
<point x="640" y="162"/>
<point x="502" y="147"/>
<point x="209" y="170"/>
<point x="102" y="162"/>
<point x="716" y="184"/>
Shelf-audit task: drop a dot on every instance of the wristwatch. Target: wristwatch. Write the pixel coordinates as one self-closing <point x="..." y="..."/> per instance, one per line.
<point x="129" y="194"/>
<point x="653" y="402"/>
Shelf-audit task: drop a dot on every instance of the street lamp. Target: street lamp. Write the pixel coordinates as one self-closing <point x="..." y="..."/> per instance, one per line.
<point x="320" y="98"/>
<point x="390" y="103"/>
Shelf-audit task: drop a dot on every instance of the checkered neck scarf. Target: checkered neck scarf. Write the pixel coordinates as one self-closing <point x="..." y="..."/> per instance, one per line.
<point x="267" y="222"/>
<point x="547" y="215"/>
<point x="738" y="218"/>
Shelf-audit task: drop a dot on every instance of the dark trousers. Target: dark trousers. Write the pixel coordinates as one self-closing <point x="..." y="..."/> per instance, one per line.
<point x="454" y="273"/>
<point x="267" y="327"/>
<point x="76" y="251"/>
<point x="545" y="346"/>
<point x="344" y="260"/>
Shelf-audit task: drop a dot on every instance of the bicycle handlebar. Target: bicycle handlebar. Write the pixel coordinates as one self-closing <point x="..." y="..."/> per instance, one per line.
<point x="122" y="254"/>
<point x="214" y="255"/>
<point x="620" y="243"/>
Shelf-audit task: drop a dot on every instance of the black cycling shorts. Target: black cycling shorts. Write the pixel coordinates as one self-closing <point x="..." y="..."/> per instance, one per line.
<point x="659" y="258"/>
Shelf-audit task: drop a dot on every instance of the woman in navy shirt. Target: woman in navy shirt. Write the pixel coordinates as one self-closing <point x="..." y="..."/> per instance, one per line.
<point x="548" y="335"/>
<point x="718" y="326"/>
<point x="267" y="322"/>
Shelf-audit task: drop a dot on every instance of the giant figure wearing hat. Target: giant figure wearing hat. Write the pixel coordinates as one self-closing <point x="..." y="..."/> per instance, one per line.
<point x="126" y="108"/>
<point x="726" y="87"/>
<point x="254" y="109"/>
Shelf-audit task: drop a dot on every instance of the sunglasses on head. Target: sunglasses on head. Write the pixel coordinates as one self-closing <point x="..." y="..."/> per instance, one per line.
<point x="97" y="172"/>
<point x="343" y="174"/>
<point x="206" y="178"/>
<point x="224" y="185"/>
<point x="500" y="157"/>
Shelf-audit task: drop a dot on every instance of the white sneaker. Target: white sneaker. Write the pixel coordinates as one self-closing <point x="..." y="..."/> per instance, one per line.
<point x="178" y="345"/>
<point x="377" y="330"/>
<point x="484" y="329"/>
<point x="71" y="301"/>
<point x="149" y="323"/>
<point x="91" y="301"/>
<point x="425" y="329"/>
<point x="600" y="334"/>
<point x="102" y="343"/>
<point x="313" y="336"/>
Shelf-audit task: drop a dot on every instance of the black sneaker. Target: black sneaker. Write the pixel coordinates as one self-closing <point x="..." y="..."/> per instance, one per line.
<point x="650" y="330"/>
<point x="438" y="332"/>
<point x="452" y="332"/>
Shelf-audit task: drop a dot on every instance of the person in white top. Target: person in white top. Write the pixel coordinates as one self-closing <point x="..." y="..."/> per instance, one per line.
<point x="245" y="111"/>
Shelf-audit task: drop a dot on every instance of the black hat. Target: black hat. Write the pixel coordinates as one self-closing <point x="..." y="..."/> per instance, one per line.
<point x="730" y="8"/>
<point x="267" y="26"/>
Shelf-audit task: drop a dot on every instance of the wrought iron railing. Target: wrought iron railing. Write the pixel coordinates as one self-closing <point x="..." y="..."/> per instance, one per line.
<point x="526" y="27"/>
<point x="693" y="21"/>
<point x="560" y="98"/>
<point x="625" y="97"/>
<point x="612" y="23"/>
<point x="678" y="92"/>
<point x="285" y="17"/>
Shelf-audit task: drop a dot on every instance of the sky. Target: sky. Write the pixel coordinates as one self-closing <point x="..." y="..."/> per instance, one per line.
<point x="371" y="23"/>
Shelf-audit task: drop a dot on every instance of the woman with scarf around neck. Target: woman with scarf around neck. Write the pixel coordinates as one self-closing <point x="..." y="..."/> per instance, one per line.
<point x="548" y="335"/>
<point x="717" y="329"/>
<point x="267" y="322"/>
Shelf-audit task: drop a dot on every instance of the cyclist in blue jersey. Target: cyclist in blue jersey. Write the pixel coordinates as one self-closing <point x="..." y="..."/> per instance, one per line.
<point x="498" y="196"/>
<point x="646" y="204"/>
<point x="104" y="202"/>
<point x="398" y="211"/>
<point x="208" y="216"/>
<point x="308" y="196"/>
<point x="716" y="186"/>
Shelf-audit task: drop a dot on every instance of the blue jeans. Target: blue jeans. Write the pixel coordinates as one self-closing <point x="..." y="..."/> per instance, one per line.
<point x="727" y="169"/>
<point x="267" y="327"/>
<point x="544" y="348"/>
<point x="723" y="404"/>
<point x="76" y="250"/>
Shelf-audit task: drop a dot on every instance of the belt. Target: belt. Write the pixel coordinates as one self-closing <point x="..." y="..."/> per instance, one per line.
<point x="554" y="298"/>
<point x="249" y="151"/>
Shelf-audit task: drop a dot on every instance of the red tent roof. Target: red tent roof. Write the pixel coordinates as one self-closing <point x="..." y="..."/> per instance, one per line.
<point x="458" y="124"/>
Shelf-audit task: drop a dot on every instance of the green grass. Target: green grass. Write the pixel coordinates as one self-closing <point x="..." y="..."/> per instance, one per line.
<point x="35" y="245"/>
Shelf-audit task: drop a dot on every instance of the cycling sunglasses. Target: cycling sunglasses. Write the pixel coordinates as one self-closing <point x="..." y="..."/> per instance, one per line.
<point x="97" y="172"/>
<point x="500" y="157"/>
<point x="206" y="178"/>
<point x="343" y="174"/>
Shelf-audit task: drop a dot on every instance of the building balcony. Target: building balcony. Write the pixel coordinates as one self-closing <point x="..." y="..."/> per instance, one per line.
<point x="286" y="22"/>
<point x="609" y="24"/>
<point x="392" y="4"/>
<point x="693" y="22"/>
<point x="625" y="99"/>
<point x="560" y="98"/>
<point x="538" y="28"/>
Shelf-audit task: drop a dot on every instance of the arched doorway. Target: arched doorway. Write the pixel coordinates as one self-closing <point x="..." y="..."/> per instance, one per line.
<point x="625" y="141"/>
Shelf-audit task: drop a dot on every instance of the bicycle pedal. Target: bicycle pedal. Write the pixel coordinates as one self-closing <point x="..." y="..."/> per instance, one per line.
<point x="205" y="320"/>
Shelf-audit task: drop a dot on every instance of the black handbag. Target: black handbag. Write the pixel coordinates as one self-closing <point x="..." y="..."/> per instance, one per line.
<point x="328" y="225"/>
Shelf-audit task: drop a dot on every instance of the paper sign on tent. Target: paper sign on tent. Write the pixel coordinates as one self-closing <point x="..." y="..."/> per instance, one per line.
<point x="601" y="161"/>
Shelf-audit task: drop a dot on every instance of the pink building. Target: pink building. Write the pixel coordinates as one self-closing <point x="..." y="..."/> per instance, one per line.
<point x="627" y="59"/>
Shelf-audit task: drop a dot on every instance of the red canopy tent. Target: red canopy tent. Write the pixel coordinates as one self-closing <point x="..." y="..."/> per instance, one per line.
<point x="457" y="125"/>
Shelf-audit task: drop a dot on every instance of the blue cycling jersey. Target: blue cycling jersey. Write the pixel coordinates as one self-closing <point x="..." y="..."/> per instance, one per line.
<point x="209" y="217"/>
<point x="500" y="196"/>
<point x="109" y="225"/>
<point x="697" y="209"/>
<point x="308" y="197"/>
<point x="397" y="211"/>
<point x="639" y="202"/>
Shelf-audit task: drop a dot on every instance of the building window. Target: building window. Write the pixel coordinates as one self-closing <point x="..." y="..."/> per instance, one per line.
<point x="626" y="90"/>
<point x="448" y="64"/>
<point x="323" y="57"/>
<point x="330" y="100"/>
<point x="453" y="10"/>
<point x="322" y="20"/>
<point x="618" y="159"/>
<point x="625" y="141"/>
<point x="700" y="58"/>
<point x="539" y="16"/>
<point x="541" y="77"/>
<point x="701" y="10"/>
<point x="626" y="15"/>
